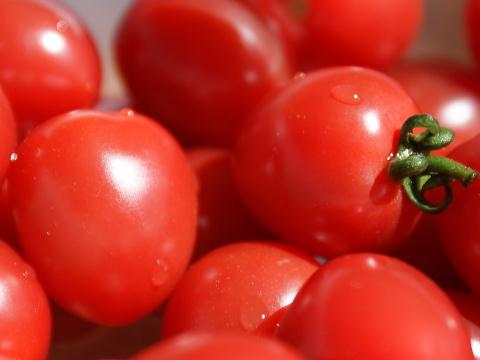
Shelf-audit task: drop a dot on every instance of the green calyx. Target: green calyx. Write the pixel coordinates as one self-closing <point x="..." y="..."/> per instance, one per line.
<point x="418" y="171"/>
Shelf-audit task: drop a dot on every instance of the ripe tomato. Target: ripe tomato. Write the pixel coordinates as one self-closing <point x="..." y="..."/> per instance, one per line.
<point x="372" y="33"/>
<point x="458" y="226"/>
<point x="218" y="347"/>
<point x="48" y="62"/>
<point x="7" y="223"/>
<point x="222" y="218"/>
<point x="198" y="66"/>
<point x="472" y="23"/>
<point x="311" y="162"/>
<point x="24" y="310"/>
<point x="374" y="307"/>
<point x="447" y="91"/>
<point x="105" y="207"/>
<point x="236" y="288"/>
<point x="8" y="136"/>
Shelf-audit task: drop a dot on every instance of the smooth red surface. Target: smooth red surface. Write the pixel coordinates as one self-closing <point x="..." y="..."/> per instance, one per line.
<point x="311" y="162"/>
<point x="8" y="136"/>
<point x="368" y="306"/>
<point x="218" y="347"/>
<point x="198" y="66"/>
<point x="24" y="311"/>
<point x="222" y="217"/>
<point x="105" y="206"/>
<point x="472" y="24"/>
<point x="372" y="33"/>
<point x="7" y="223"/>
<point x="48" y="62"/>
<point x="448" y="91"/>
<point x="236" y="288"/>
<point x="458" y="226"/>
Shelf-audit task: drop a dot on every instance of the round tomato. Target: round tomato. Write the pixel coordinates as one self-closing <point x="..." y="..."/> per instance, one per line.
<point x="236" y="288"/>
<point x="48" y="62"/>
<point x="218" y="347"/>
<point x="222" y="218"/>
<point x="105" y="208"/>
<point x="458" y="226"/>
<point x="198" y="66"/>
<point x="447" y="91"/>
<point x="372" y="33"/>
<point x="311" y="162"/>
<point x="374" y="307"/>
<point x="24" y="310"/>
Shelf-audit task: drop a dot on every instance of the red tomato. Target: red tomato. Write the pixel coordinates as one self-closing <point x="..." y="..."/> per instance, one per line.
<point x="218" y="347"/>
<point x="311" y="162"/>
<point x="48" y="62"/>
<point x="424" y="251"/>
<point x="447" y="91"/>
<point x="372" y="33"/>
<point x="222" y="218"/>
<point x="7" y="223"/>
<point x="367" y="306"/>
<point x="473" y="26"/>
<point x="458" y="226"/>
<point x="24" y="310"/>
<point x="105" y="207"/>
<point x="8" y="136"/>
<point x="198" y="66"/>
<point x="236" y="288"/>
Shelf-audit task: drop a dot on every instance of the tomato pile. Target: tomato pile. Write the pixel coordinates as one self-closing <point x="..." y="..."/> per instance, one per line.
<point x="281" y="186"/>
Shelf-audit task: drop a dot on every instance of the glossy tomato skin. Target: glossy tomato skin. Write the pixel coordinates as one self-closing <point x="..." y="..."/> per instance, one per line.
<point x="48" y="62"/>
<point x="222" y="217"/>
<point x="236" y="288"/>
<point x="25" y="323"/>
<point x="458" y="225"/>
<point x="371" y="33"/>
<point x="349" y="308"/>
<point x="198" y="66"/>
<point x="472" y="22"/>
<point x="218" y="347"/>
<point x="105" y="207"/>
<point x="449" y="92"/>
<point x="311" y="162"/>
<point x="8" y="135"/>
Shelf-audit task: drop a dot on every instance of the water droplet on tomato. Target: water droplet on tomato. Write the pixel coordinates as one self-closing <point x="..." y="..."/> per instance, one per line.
<point x="159" y="273"/>
<point x="127" y="112"/>
<point x="13" y="157"/>
<point x="62" y="26"/>
<point x="299" y="76"/>
<point x="252" y="313"/>
<point x="28" y="273"/>
<point x="346" y="94"/>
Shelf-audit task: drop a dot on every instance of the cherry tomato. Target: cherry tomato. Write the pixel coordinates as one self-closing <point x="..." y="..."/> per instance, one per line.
<point x="473" y="26"/>
<point x="8" y="136"/>
<point x="311" y="162"/>
<point x="24" y="310"/>
<point x="374" y="307"/>
<point x="222" y="218"/>
<point x="48" y="62"/>
<point x="372" y="33"/>
<point x="198" y="66"/>
<point x="218" y="347"/>
<point x="105" y="208"/>
<point x="447" y="91"/>
<point x="236" y="288"/>
<point x="458" y="225"/>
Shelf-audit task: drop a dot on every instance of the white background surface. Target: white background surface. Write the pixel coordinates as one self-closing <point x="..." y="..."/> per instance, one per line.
<point x="442" y="35"/>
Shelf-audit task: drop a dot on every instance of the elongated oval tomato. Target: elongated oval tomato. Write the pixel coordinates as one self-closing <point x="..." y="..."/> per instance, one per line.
<point x="24" y="310"/>
<point x="105" y="207"/>
<point x="367" y="306"/>
<point x="198" y="66"/>
<point x="449" y="92"/>
<point x="311" y="162"/>
<point x="48" y="62"/>
<point x="218" y="347"/>
<point x="236" y="288"/>
<point x="222" y="218"/>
